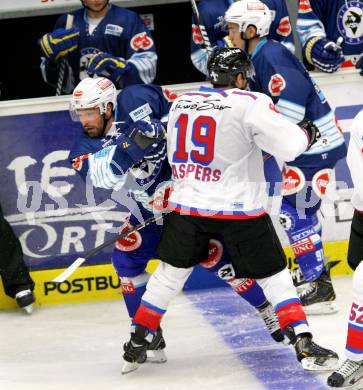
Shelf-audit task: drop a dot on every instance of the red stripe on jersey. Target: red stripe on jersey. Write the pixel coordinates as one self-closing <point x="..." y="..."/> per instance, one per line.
<point x="245" y="94"/>
<point x="355" y="338"/>
<point x="186" y="211"/>
<point x="290" y="313"/>
<point x="147" y="317"/>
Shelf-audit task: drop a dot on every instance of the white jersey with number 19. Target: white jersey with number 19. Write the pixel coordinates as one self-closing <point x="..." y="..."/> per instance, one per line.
<point x="215" y="139"/>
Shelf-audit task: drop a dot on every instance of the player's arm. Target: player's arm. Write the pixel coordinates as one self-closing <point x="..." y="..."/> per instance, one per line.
<point x="275" y="134"/>
<point x="283" y="30"/>
<point x="319" y="51"/>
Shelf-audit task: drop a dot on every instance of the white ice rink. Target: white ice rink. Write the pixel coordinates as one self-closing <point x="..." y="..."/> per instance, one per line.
<point x="214" y="341"/>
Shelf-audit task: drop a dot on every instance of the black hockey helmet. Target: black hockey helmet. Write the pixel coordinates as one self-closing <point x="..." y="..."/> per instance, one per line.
<point x="225" y="63"/>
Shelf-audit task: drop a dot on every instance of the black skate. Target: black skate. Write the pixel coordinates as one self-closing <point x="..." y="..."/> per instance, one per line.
<point x="319" y="296"/>
<point x="349" y="375"/>
<point x="155" y="351"/>
<point x="25" y="300"/>
<point x="267" y="313"/>
<point x="312" y="356"/>
<point x="136" y="350"/>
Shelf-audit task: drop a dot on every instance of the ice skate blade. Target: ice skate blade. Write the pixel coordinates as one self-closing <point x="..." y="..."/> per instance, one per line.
<point x="313" y="364"/>
<point x="321" y="308"/>
<point x="129" y="367"/>
<point x="156" y="356"/>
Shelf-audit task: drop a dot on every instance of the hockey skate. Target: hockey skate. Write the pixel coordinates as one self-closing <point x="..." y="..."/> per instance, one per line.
<point x="25" y="300"/>
<point x="267" y="313"/>
<point x="312" y="356"/>
<point x="319" y="296"/>
<point x="348" y="376"/>
<point x="142" y="347"/>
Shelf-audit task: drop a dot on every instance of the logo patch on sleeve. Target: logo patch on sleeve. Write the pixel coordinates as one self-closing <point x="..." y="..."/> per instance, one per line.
<point x="276" y="84"/>
<point x="197" y="35"/>
<point x="141" y="41"/>
<point x="284" y="27"/>
<point x="130" y="243"/>
<point x="304" y="6"/>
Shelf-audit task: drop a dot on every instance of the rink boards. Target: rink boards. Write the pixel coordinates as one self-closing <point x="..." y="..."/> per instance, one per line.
<point x="57" y="219"/>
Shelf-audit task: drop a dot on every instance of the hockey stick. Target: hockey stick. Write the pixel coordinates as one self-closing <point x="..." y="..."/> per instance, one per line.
<point x="78" y="262"/>
<point x="202" y="28"/>
<point x="62" y="67"/>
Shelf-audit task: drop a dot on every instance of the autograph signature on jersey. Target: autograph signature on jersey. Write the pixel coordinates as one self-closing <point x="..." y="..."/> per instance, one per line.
<point x="200" y="106"/>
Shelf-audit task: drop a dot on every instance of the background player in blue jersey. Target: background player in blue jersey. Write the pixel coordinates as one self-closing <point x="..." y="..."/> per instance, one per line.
<point x="321" y="24"/>
<point x="105" y="40"/>
<point x="212" y="12"/>
<point x="282" y="76"/>
<point x="99" y="153"/>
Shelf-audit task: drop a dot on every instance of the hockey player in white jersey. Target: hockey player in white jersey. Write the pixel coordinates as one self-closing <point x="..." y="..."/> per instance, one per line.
<point x="215" y="136"/>
<point x="280" y="75"/>
<point x="351" y="372"/>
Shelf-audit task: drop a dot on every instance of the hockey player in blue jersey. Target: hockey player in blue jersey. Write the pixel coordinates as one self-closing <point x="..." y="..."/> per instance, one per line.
<point x="331" y="33"/>
<point x="282" y="76"/>
<point x="212" y="12"/>
<point x="105" y="40"/>
<point x="99" y="153"/>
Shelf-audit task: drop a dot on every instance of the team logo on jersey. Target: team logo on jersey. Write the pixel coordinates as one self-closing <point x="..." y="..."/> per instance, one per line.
<point x="293" y="180"/>
<point x="141" y="112"/>
<point x="78" y="161"/>
<point x="129" y="243"/>
<point x="302" y="247"/>
<point x="226" y="272"/>
<point x="169" y="95"/>
<point x="141" y="41"/>
<point x="286" y="220"/>
<point x="321" y="180"/>
<point x="284" y="27"/>
<point x="350" y="22"/>
<point x="127" y="285"/>
<point x="197" y="35"/>
<point x="215" y="252"/>
<point x="304" y="6"/>
<point x="276" y="84"/>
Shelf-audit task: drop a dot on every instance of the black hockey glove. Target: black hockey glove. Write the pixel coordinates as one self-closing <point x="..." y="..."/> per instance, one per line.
<point x="311" y="130"/>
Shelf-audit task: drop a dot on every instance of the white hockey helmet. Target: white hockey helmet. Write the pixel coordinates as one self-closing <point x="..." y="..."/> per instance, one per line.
<point x="250" y="12"/>
<point x="91" y="93"/>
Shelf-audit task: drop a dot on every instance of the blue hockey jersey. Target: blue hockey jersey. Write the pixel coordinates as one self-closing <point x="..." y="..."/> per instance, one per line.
<point x="284" y="78"/>
<point x="212" y="13"/>
<point x="109" y="167"/>
<point x="121" y="33"/>
<point x="332" y="19"/>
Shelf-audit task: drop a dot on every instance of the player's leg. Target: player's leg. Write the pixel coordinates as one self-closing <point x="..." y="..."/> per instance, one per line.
<point x="129" y="259"/>
<point x="351" y="371"/>
<point x="220" y="264"/>
<point x="256" y="252"/>
<point x="299" y="218"/>
<point x="181" y="247"/>
<point x="15" y="275"/>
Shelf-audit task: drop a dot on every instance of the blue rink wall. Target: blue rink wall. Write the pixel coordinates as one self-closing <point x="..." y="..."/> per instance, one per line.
<point x="57" y="220"/>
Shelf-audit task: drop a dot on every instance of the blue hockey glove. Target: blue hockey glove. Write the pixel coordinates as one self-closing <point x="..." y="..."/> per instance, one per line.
<point x="359" y="64"/>
<point x="150" y="128"/>
<point x="156" y="153"/>
<point x="324" y="54"/>
<point x="59" y="43"/>
<point x="106" y="65"/>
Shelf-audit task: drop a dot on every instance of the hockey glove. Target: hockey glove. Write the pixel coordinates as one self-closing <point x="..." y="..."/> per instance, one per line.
<point x="324" y="54"/>
<point x="150" y="128"/>
<point x="59" y="43"/>
<point x="311" y="131"/>
<point x="359" y="64"/>
<point x="106" y="65"/>
<point x="141" y="147"/>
